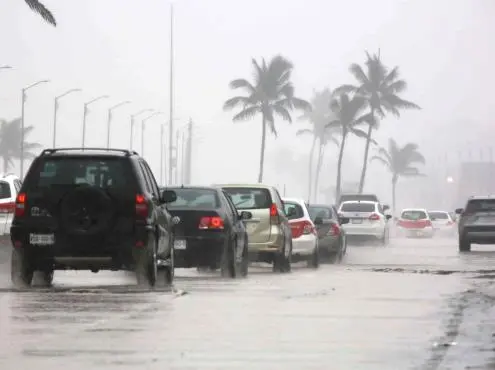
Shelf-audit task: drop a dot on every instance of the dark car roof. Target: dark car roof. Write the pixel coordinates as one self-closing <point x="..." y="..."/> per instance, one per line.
<point x="191" y="187"/>
<point x="321" y="205"/>
<point x="87" y="152"/>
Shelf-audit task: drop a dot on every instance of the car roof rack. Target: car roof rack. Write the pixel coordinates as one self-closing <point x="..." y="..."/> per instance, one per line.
<point x="127" y="152"/>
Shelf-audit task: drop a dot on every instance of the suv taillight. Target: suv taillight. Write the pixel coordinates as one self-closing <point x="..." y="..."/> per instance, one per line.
<point x="141" y="206"/>
<point x="211" y="223"/>
<point x="274" y="219"/>
<point x="20" y="205"/>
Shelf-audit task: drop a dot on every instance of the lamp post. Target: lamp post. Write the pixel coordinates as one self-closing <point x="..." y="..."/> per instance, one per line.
<point x="85" y="116"/>
<point x="171" y="92"/>
<point x="133" y="121"/>
<point x="24" y="91"/>
<point x="55" y="111"/>
<point x="110" y="116"/>
<point x="143" y="124"/>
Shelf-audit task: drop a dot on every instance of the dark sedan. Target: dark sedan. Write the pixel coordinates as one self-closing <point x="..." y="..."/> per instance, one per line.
<point x="331" y="235"/>
<point x="208" y="231"/>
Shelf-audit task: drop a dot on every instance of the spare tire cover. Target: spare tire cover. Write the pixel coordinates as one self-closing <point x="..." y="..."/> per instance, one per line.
<point x="86" y="210"/>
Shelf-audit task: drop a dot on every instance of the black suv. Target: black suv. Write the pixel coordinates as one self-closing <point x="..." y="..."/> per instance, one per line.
<point x="476" y="222"/>
<point x="91" y="209"/>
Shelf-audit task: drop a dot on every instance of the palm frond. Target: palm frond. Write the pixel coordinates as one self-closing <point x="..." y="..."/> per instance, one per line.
<point x="282" y="112"/>
<point x="246" y="114"/>
<point x="39" y="8"/>
<point x="345" y="89"/>
<point x="235" y="101"/>
<point x="304" y="131"/>
<point x="359" y="74"/>
<point x="301" y="104"/>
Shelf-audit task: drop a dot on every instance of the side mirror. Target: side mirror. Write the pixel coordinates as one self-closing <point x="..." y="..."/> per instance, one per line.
<point x="168" y="196"/>
<point x="318" y="221"/>
<point x="291" y="212"/>
<point x="245" y="215"/>
<point x="386" y="207"/>
<point x="388" y="217"/>
<point x="344" y="220"/>
<point x="458" y="211"/>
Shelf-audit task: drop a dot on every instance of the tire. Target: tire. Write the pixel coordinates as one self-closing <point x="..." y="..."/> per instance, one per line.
<point x="314" y="259"/>
<point x="245" y="260"/>
<point x="166" y="274"/>
<point x="146" y="265"/>
<point x="464" y="245"/>
<point x="21" y="270"/>
<point x="43" y="278"/>
<point x="228" y="265"/>
<point x="281" y="263"/>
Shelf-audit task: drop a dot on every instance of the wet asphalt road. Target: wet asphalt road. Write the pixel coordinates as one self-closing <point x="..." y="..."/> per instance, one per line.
<point x="416" y="304"/>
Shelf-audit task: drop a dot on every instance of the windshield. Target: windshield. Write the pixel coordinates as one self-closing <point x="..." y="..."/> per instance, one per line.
<point x="414" y="215"/>
<point x="358" y="207"/>
<point x="439" y="215"/>
<point x="297" y="210"/>
<point x="5" y="192"/>
<point x="195" y="198"/>
<point x="99" y="172"/>
<point x="480" y="205"/>
<point x="250" y="198"/>
<point x="321" y="212"/>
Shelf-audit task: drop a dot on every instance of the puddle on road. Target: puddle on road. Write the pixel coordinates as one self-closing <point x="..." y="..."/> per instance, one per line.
<point x="485" y="273"/>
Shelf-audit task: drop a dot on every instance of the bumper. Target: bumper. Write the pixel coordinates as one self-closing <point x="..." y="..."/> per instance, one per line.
<point x="375" y="231"/>
<point x="329" y="244"/>
<point x="480" y="237"/>
<point x="304" y="245"/>
<point x="5" y="223"/>
<point x="199" y="251"/>
<point x="425" y="232"/>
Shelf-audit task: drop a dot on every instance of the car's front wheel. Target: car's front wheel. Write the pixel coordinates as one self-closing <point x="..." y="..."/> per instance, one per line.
<point x="21" y="269"/>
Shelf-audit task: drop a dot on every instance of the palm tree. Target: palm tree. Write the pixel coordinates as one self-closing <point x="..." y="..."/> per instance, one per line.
<point x="271" y="94"/>
<point x="39" y="8"/>
<point x="10" y="136"/>
<point x="381" y="88"/>
<point x="318" y="116"/>
<point x="400" y="162"/>
<point x="347" y="111"/>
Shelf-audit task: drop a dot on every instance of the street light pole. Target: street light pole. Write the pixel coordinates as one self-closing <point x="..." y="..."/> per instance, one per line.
<point x="143" y="124"/>
<point x="55" y="112"/>
<point x="133" y="121"/>
<point x="109" y="119"/>
<point x="171" y="103"/>
<point x="85" y="116"/>
<point x="23" y="109"/>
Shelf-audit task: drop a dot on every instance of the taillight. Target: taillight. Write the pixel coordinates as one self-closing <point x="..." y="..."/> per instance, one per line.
<point x="141" y="206"/>
<point x="334" y="230"/>
<point x="20" y="205"/>
<point x="273" y="210"/>
<point x="209" y="222"/>
<point x="428" y="223"/>
<point x="7" y="207"/>
<point x="374" y="217"/>
<point x="299" y="228"/>
<point x="450" y="223"/>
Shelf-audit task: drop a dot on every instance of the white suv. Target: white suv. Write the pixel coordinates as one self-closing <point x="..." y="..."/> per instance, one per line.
<point x="367" y="220"/>
<point x="9" y="187"/>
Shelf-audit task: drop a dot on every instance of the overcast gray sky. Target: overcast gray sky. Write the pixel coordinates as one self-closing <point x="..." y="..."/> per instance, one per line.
<point x="120" y="48"/>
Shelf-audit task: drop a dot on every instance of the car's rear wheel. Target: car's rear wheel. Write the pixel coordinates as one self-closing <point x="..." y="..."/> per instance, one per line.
<point x="245" y="260"/>
<point x="282" y="262"/>
<point x="21" y="270"/>
<point x="43" y="278"/>
<point x="166" y="274"/>
<point x="228" y="266"/>
<point x="314" y="259"/>
<point x="464" y="245"/>
<point x="146" y="265"/>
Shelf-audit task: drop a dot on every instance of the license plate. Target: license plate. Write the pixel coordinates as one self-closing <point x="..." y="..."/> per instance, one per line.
<point x="41" y="239"/>
<point x="357" y="221"/>
<point x="180" y="244"/>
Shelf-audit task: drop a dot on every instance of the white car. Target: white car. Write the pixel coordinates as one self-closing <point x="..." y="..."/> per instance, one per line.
<point x="367" y="220"/>
<point x="443" y="223"/>
<point x="304" y="234"/>
<point x="415" y="222"/>
<point x="9" y="187"/>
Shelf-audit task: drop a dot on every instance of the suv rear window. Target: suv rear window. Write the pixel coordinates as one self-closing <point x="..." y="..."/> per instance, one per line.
<point x="358" y="207"/>
<point x="322" y="212"/>
<point x="5" y="192"/>
<point x="99" y="172"/>
<point x="480" y="205"/>
<point x="195" y="198"/>
<point x="365" y="197"/>
<point x="439" y="215"/>
<point x="414" y="215"/>
<point x="250" y="198"/>
<point x="298" y="211"/>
